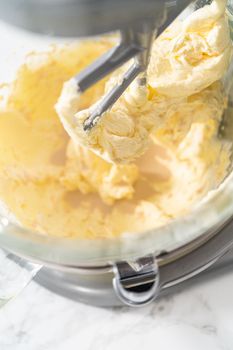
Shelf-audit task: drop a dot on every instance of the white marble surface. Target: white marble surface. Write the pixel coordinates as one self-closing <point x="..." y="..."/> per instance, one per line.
<point x="200" y="317"/>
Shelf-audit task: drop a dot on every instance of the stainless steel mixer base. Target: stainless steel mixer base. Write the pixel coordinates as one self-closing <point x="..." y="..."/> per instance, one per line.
<point x="176" y="271"/>
<point x="99" y="291"/>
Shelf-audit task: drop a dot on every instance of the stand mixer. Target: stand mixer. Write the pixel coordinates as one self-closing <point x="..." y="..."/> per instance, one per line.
<point x="130" y="277"/>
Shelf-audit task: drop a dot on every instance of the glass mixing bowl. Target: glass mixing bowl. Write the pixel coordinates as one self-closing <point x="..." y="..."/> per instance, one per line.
<point x="193" y="230"/>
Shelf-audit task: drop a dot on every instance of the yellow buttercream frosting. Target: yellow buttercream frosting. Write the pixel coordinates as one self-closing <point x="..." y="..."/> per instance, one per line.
<point x="148" y="161"/>
<point x="191" y="54"/>
<point x="187" y="58"/>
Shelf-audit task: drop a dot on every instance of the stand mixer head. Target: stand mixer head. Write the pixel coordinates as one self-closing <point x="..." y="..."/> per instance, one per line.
<point x="72" y="18"/>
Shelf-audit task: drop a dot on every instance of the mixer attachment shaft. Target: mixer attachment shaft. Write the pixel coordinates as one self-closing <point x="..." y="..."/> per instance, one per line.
<point x="135" y="43"/>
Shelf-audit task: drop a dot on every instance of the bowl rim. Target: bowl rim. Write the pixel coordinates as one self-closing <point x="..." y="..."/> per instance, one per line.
<point x="209" y="214"/>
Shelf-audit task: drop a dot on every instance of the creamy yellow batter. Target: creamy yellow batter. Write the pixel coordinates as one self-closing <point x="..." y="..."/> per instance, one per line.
<point x="153" y="156"/>
<point x="187" y="58"/>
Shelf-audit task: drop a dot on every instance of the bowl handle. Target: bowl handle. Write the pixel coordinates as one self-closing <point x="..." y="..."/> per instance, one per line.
<point x="136" y="283"/>
<point x="15" y="274"/>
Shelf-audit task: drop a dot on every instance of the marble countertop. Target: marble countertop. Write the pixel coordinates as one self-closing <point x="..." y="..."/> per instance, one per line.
<point x="199" y="317"/>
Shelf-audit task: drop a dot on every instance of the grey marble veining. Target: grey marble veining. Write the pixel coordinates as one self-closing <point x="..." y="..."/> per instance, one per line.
<point x="200" y="318"/>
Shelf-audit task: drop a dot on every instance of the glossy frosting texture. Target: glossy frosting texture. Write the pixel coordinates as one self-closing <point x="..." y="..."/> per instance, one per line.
<point x="188" y="57"/>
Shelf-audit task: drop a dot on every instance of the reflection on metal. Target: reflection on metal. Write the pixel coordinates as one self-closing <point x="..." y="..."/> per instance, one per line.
<point x="136" y="283"/>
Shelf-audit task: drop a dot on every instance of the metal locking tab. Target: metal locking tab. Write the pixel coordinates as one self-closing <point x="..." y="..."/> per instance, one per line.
<point x="136" y="283"/>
